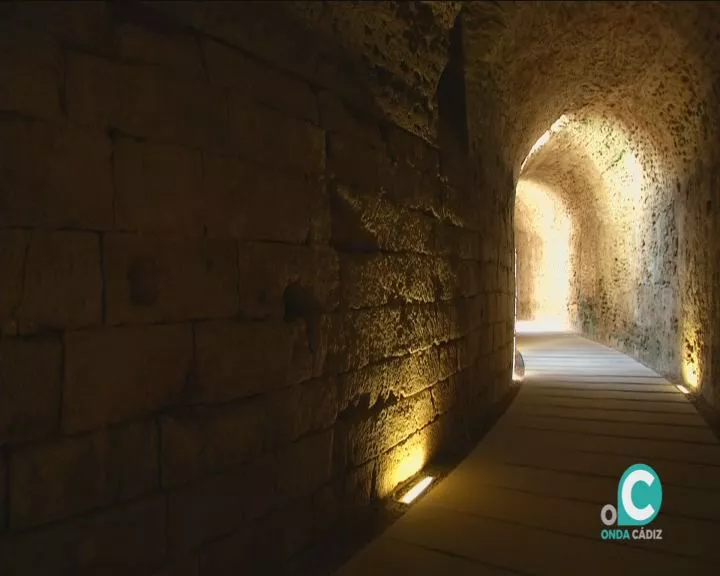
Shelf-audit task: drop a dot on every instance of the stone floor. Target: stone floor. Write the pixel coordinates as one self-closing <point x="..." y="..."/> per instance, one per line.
<point x="527" y="500"/>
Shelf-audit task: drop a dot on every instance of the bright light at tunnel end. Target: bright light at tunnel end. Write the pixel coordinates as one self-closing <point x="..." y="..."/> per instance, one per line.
<point x="418" y="488"/>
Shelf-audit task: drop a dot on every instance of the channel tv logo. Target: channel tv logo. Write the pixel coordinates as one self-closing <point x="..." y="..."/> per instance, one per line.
<point x="639" y="498"/>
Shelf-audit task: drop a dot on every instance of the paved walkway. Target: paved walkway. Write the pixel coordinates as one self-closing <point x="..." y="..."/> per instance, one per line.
<point x="527" y="500"/>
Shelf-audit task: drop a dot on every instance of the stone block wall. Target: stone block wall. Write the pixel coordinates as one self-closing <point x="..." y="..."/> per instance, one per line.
<point x="233" y="310"/>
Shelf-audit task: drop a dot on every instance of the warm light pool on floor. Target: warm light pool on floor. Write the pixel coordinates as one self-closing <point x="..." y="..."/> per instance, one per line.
<point x="416" y="490"/>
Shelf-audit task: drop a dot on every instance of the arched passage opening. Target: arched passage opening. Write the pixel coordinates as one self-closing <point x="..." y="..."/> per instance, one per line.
<point x="582" y="209"/>
<point x="610" y="119"/>
<point x="256" y="259"/>
<point x="542" y="252"/>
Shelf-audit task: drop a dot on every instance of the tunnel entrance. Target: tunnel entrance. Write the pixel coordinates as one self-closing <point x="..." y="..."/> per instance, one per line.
<point x="595" y="234"/>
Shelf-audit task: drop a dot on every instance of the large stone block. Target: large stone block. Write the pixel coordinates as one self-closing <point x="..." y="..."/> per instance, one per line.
<point x="487" y="340"/>
<point x="356" y="489"/>
<point x="336" y="116"/>
<point x="113" y="374"/>
<point x="362" y="222"/>
<point x="232" y="68"/>
<point x="237" y="359"/>
<point x="293" y="526"/>
<point x="30" y="88"/>
<point x="458" y="242"/>
<point x="304" y="466"/>
<point x="30" y="372"/>
<point x="459" y="207"/>
<point x="54" y="176"/>
<point x="378" y="279"/>
<point x="379" y="431"/>
<point x="140" y="101"/>
<point x="413" y="150"/>
<point x="183" y="565"/>
<point x="13" y="249"/>
<point x="80" y="24"/>
<point x="24" y="43"/>
<point x="219" y="504"/>
<point x="469" y="348"/>
<point x="363" y="336"/>
<point x="468" y="276"/>
<point x="325" y="511"/>
<point x="263" y="547"/>
<point x="493" y="308"/>
<point x="68" y="476"/>
<point x="63" y="283"/>
<point x="174" y="52"/>
<point x="207" y="440"/>
<point x="417" y="190"/>
<point x="298" y="410"/>
<point x="358" y="165"/>
<point x="159" y="187"/>
<point x="500" y="339"/>
<point x="229" y="556"/>
<point x="125" y="540"/>
<point x="320" y="216"/>
<point x="273" y="138"/>
<point x="488" y="277"/>
<point x="476" y="308"/>
<point x="287" y="281"/>
<point x="245" y="200"/>
<point x="158" y="279"/>
<point x="395" y="377"/>
<point x="445" y="395"/>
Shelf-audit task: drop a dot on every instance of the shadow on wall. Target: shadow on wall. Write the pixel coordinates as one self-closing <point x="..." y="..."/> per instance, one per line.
<point x="248" y="338"/>
<point x="323" y="43"/>
<point x="376" y="412"/>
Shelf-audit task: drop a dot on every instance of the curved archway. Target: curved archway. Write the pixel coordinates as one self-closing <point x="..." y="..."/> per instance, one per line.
<point x="607" y="106"/>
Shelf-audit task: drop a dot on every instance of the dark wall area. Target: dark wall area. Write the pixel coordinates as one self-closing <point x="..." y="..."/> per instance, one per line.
<point x="235" y="307"/>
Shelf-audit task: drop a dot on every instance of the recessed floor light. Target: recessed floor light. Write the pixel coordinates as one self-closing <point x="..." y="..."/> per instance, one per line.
<point x="416" y="490"/>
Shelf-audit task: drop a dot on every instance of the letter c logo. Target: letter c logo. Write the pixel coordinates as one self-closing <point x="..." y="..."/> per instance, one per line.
<point x="639" y="496"/>
<point x="639" y="514"/>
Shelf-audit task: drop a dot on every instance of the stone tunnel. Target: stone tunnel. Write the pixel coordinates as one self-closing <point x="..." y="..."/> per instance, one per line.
<point x="261" y="263"/>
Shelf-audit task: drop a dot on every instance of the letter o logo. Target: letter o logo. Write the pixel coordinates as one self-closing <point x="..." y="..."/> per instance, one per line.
<point x="608" y="514"/>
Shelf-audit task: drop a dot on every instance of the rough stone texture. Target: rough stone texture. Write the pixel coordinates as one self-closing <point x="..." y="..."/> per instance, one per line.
<point x="68" y="476"/>
<point x="632" y="168"/>
<point x="13" y="250"/>
<point x="244" y="200"/>
<point x="158" y="187"/>
<point x="273" y="355"/>
<point x="271" y="273"/>
<point x="31" y="374"/>
<point x="62" y="285"/>
<point x="113" y="374"/>
<point x="125" y="540"/>
<point x="384" y="56"/>
<point x="165" y="280"/>
<point x="244" y="269"/>
<point x="39" y="166"/>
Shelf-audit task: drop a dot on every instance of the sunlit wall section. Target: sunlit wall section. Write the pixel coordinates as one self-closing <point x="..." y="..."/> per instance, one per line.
<point x="637" y="255"/>
<point x="622" y="213"/>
